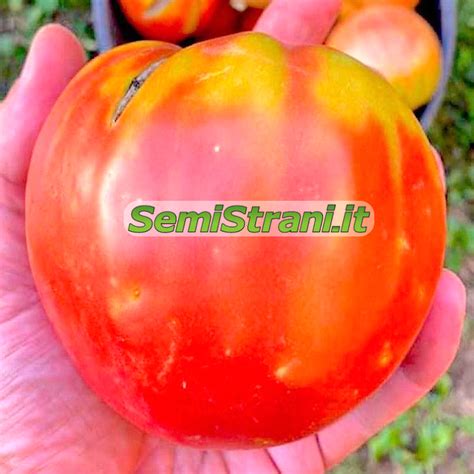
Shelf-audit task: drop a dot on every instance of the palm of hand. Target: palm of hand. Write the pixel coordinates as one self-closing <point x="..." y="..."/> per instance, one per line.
<point x="50" y="421"/>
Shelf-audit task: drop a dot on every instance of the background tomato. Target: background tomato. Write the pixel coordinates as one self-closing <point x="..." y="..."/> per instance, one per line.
<point x="249" y="18"/>
<point x="398" y="43"/>
<point x="169" y="20"/>
<point x="233" y="342"/>
<point x="351" y="6"/>
<point x="224" y="22"/>
<point x="258" y="3"/>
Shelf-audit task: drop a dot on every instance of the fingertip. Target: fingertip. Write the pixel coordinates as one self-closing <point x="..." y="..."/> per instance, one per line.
<point x="453" y="287"/>
<point x="299" y="22"/>
<point x="55" y="56"/>
<point x="450" y="301"/>
<point x="55" y="46"/>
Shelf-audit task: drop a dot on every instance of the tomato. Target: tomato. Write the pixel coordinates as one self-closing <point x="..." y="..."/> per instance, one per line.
<point x="233" y="342"/>
<point x="224" y="22"/>
<point x="258" y="3"/>
<point x="249" y="18"/>
<point x="351" y="6"/>
<point x="398" y="43"/>
<point x="171" y="20"/>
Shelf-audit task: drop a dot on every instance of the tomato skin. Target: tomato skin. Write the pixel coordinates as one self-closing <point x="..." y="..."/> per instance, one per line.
<point x="258" y="3"/>
<point x="233" y="342"/>
<point x="224" y="22"/>
<point x="249" y="18"/>
<point x="174" y="22"/>
<point x="351" y="6"/>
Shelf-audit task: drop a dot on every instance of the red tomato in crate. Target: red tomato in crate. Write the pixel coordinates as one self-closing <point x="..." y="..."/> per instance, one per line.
<point x="249" y="18"/>
<point x="224" y="22"/>
<point x="233" y="342"/>
<point x="170" y="20"/>
<point x="399" y="44"/>
<point x="351" y="6"/>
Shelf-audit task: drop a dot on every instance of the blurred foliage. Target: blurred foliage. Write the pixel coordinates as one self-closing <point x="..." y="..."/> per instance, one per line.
<point x="460" y="241"/>
<point x="420" y="439"/>
<point x="19" y="19"/>
<point x="453" y="136"/>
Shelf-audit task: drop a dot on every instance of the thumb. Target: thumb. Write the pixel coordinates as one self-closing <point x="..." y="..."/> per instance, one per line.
<point x="54" y="58"/>
<point x="299" y="21"/>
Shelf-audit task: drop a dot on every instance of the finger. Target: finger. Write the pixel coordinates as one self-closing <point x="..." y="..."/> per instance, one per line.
<point x="212" y="462"/>
<point x="299" y="21"/>
<point x="430" y="357"/>
<point x="157" y="456"/>
<point x="440" y="164"/>
<point x="249" y="462"/>
<point x="54" y="58"/>
<point x="187" y="460"/>
<point x="303" y="453"/>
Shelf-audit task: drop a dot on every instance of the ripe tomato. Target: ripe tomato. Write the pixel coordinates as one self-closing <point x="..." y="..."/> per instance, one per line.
<point x="224" y="22"/>
<point x="249" y="18"/>
<point x="258" y="3"/>
<point x="351" y="6"/>
<point x="233" y="342"/>
<point x="399" y="44"/>
<point x="171" y="20"/>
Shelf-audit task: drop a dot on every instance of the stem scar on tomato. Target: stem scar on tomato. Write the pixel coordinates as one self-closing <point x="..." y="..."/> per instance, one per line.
<point x="135" y="85"/>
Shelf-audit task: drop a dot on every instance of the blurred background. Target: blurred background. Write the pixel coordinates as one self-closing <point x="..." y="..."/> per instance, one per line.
<point x="436" y="436"/>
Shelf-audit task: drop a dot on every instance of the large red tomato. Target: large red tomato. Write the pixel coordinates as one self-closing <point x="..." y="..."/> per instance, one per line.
<point x="233" y="342"/>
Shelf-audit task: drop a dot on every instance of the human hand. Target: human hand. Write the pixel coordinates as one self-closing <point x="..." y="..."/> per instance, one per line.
<point x="50" y="421"/>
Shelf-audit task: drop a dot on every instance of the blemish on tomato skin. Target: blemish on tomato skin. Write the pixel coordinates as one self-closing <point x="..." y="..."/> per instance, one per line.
<point x="404" y="243"/>
<point x="386" y="355"/>
<point x="262" y="442"/>
<point x="122" y="299"/>
<point x="168" y="363"/>
<point x="420" y="293"/>
<point x="418" y="186"/>
<point x="287" y="371"/>
<point x="193" y="438"/>
<point x="136" y="293"/>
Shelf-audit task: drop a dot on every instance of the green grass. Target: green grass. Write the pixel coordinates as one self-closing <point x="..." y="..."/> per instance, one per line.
<point x="419" y="440"/>
<point x="453" y="135"/>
